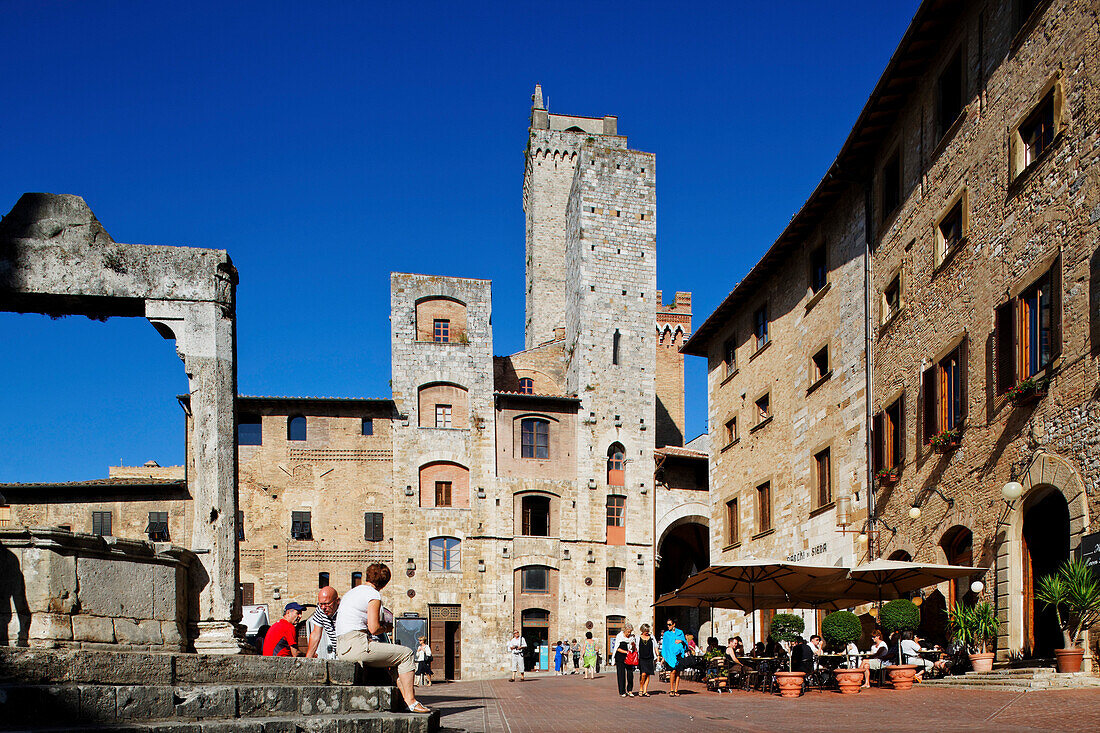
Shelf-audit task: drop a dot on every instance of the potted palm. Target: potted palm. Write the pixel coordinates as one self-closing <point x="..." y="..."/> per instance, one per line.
<point x="788" y="627"/>
<point x="1074" y="594"/>
<point x="896" y="616"/>
<point x="976" y="628"/>
<point x="841" y="628"/>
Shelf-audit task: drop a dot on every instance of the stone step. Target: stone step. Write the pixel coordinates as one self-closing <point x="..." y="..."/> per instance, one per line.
<point x="370" y="722"/>
<point x="1016" y="672"/>
<point x="116" y="704"/>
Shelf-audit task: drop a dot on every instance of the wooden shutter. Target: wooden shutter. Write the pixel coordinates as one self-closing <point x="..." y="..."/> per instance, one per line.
<point x="1056" y="309"/>
<point x="964" y="379"/>
<point x="877" y="439"/>
<point x="1005" y="340"/>
<point x="930" y="398"/>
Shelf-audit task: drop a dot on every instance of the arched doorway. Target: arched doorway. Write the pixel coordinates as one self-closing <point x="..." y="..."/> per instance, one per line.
<point x="535" y="630"/>
<point x="957" y="544"/>
<point x="1046" y="534"/>
<point x="684" y="550"/>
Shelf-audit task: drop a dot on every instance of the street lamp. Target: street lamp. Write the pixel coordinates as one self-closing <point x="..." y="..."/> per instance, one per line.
<point x="1012" y="491"/>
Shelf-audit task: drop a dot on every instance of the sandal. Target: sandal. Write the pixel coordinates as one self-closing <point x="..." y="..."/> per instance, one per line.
<point x="418" y="707"/>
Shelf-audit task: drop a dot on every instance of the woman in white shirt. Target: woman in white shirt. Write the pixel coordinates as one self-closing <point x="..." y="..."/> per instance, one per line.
<point x="878" y="650"/>
<point x="361" y="620"/>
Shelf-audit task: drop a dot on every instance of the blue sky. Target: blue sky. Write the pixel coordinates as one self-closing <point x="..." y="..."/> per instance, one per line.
<point x="327" y="144"/>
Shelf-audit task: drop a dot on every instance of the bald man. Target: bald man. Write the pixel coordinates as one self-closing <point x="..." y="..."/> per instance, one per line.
<point x="321" y="625"/>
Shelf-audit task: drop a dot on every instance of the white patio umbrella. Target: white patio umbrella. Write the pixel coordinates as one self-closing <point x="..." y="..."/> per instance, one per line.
<point x="889" y="579"/>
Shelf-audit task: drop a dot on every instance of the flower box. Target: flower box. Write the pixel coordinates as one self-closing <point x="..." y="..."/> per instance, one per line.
<point x="947" y="441"/>
<point x="888" y="476"/>
<point x="1028" y="391"/>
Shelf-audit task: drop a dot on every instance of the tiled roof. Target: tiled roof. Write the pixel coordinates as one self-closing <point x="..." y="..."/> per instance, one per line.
<point x="564" y="397"/>
<point x="94" y="483"/>
<point x="672" y="450"/>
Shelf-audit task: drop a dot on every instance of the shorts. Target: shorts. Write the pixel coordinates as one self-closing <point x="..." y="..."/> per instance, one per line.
<point x="517" y="663"/>
<point x="357" y="646"/>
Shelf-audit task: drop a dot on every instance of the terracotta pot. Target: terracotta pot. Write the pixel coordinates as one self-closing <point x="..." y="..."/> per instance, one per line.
<point x="1069" y="660"/>
<point x="901" y="675"/>
<point x="849" y="680"/>
<point x="982" y="662"/>
<point x="790" y="683"/>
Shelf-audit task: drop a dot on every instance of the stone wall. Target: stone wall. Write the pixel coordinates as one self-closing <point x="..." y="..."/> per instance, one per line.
<point x="65" y="589"/>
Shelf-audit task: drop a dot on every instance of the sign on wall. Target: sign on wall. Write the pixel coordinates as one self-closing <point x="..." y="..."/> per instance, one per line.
<point x="1090" y="550"/>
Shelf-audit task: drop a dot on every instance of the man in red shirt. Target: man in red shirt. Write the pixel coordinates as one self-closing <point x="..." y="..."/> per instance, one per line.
<point x="282" y="637"/>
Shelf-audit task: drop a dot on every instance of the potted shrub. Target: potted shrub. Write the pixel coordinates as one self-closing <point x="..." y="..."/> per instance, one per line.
<point x="788" y="627"/>
<point x="947" y="441"/>
<point x="888" y="476"/>
<point x="1028" y="391"/>
<point x="1074" y="593"/>
<point x="841" y="628"/>
<point x="976" y="628"/>
<point x="896" y="616"/>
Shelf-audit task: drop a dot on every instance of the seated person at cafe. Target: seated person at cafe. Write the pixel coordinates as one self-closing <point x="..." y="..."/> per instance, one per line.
<point x="911" y="646"/>
<point x="877" y="659"/>
<point x="802" y="657"/>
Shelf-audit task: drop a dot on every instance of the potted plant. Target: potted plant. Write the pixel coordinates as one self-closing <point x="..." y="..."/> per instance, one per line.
<point x="896" y="616"/>
<point x="947" y="441"/>
<point x="788" y="627"/>
<point x="1074" y="593"/>
<point x="888" y="476"/>
<point x="1028" y="391"/>
<point x="841" y="628"/>
<point x="976" y="628"/>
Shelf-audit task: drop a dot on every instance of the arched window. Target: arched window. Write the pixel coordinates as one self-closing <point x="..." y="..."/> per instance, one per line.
<point x="574" y="128"/>
<point x="958" y="547"/>
<point x="534" y="579"/>
<point x="526" y="385"/>
<point x="901" y="555"/>
<point x="615" y="346"/>
<point x="536" y="516"/>
<point x="444" y="553"/>
<point x="322" y="580"/>
<point x="535" y="438"/>
<point x="296" y="428"/>
<point x="616" y="470"/>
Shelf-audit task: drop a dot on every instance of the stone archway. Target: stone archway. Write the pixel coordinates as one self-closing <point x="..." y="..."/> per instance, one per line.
<point x="1047" y="473"/>
<point x="57" y="259"/>
<point x="684" y="548"/>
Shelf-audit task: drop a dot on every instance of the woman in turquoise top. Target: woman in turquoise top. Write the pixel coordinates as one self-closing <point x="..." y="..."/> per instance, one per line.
<point x="673" y="648"/>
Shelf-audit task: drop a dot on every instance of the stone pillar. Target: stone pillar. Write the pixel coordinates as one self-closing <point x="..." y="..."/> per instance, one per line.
<point x="205" y="338"/>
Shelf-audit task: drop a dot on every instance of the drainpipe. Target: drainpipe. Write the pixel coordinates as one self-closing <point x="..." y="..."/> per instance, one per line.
<point x="872" y="536"/>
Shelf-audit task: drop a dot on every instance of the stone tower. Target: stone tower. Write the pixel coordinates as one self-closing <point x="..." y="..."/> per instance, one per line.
<point x="673" y="329"/>
<point x="552" y="146"/>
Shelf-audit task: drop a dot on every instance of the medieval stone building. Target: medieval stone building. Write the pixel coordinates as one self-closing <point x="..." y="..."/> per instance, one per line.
<point x="533" y="491"/>
<point x="955" y="241"/>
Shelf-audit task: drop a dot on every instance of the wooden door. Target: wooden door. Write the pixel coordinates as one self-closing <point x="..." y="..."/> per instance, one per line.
<point x="1029" y="595"/>
<point x="454" y="634"/>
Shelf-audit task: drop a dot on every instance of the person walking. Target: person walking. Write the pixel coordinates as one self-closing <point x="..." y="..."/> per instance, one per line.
<point x="558" y="658"/>
<point x="647" y="659"/>
<point x="576" y="656"/>
<point x="517" y="646"/>
<point x="423" y="660"/>
<point x="359" y="622"/>
<point x="321" y="626"/>
<point x="566" y="653"/>
<point x="673" y="649"/>
<point x="588" y="654"/>
<point x="626" y="658"/>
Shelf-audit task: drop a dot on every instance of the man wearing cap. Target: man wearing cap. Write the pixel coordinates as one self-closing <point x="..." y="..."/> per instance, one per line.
<point x="282" y="637"/>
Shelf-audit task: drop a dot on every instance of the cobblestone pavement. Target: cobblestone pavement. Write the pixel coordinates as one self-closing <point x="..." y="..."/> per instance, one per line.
<point x="546" y="704"/>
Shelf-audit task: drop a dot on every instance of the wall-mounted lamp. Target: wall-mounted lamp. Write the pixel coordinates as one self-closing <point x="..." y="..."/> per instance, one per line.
<point x="641" y="561"/>
<point x="643" y="489"/>
<point x="481" y="492"/>
<point x="410" y="568"/>
<point x="275" y="594"/>
<point x="591" y="483"/>
<point x="408" y="491"/>
<point x="565" y="554"/>
<point x="504" y="552"/>
<point x="915" y="511"/>
<point x="481" y="566"/>
<point x="977" y="586"/>
<point x="843" y="511"/>
<point x="1010" y="492"/>
<point x="591" y="557"/>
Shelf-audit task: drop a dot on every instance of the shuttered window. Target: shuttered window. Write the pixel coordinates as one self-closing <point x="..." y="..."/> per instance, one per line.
<point x="372" y="522"/>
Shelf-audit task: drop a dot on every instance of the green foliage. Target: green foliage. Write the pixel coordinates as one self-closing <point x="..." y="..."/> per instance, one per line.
<point x="1074" y="594"/>
<point x="899" y="615"/>
<point x="841" y="628"/>
<point x="787" y="627"/>
<point x="975" y="626"/>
